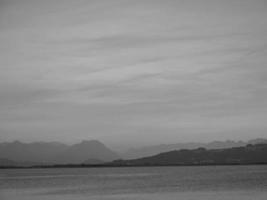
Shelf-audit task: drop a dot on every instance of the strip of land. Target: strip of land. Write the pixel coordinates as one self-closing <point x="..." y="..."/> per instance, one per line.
<point x="247" y="155"/>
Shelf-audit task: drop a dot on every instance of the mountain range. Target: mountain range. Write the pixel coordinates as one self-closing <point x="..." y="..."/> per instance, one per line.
<point x="156" y="149"/>
<point x="249" y="154"/>
<point x="92" y="152"/>
<point x="54" y="153"/>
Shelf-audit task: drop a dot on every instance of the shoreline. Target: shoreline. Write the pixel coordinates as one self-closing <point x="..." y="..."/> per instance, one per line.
<point x="124" y="166"/>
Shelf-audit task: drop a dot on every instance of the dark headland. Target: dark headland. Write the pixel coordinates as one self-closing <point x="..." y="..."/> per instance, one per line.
<point x="247" y="155"/>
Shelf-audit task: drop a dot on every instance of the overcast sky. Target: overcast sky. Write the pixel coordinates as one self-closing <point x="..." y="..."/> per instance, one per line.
<point x="133" y="72"/>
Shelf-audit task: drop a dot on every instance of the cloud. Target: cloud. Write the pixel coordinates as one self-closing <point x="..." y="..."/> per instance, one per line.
<point x="105" y="69"/>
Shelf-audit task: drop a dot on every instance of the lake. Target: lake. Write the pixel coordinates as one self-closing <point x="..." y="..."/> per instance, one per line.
<point x="136" y="183"/>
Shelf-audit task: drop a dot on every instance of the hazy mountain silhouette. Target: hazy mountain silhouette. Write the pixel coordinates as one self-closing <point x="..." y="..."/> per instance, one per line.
<point x="91" y="152"/>
<point x="156" y="149"/>
<point x="7" y="163"/>
<point x="54" y="152"/>
<point x="250" y="154"/>
<point x="85" y="150"/>
<point x="258" y="141"/>
<point x="34" y="152"/>
<point x="93" y="162"/>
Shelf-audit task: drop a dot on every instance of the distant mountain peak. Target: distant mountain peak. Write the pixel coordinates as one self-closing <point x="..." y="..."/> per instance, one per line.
<point x="57" y="153"/>
<point x="258" y="141"/>
<point x="16" y="142"/>
<point x="87" y="142"/>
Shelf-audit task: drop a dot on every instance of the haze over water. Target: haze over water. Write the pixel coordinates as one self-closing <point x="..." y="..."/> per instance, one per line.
<point x="169" y="183"/>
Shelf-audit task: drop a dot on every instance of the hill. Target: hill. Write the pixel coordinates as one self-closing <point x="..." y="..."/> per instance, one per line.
<point x="85" y="151"/>
<point x="54" y="152"/>
<point x="250" y="154"/>
<point x="156" y="149"/>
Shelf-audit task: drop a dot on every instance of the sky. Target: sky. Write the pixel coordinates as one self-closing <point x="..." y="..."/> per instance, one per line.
<point x="133" y="72"/>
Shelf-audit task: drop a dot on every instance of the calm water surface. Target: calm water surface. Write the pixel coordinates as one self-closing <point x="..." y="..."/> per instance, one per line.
<point x="168" y="183"/>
